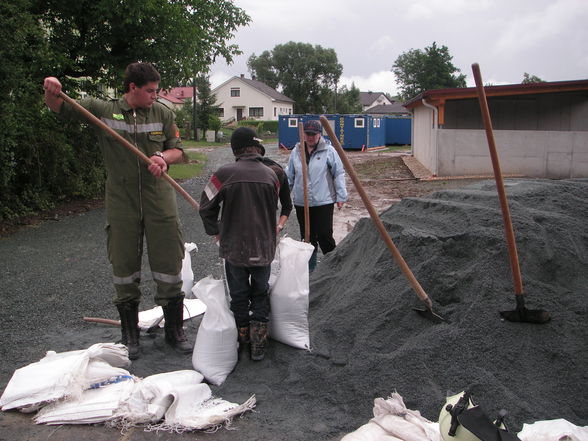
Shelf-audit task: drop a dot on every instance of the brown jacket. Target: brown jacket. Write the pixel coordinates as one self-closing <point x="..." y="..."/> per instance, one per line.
<point x="247" y="193"/>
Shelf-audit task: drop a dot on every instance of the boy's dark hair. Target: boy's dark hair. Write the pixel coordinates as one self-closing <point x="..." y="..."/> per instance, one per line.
<point x="250" y="149"/>
<point x="140" y="74"/>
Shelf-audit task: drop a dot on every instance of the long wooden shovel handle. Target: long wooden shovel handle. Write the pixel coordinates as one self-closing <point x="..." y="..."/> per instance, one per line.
<point x="302" y="148"/>
<point x="102" y="320"/>
<point x="376" y="218"/>
<point x="508" y="228"/>
<point x="97" y="122"/>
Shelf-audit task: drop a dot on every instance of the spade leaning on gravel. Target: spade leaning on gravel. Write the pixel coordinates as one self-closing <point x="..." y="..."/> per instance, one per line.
<point x="247" y="192"/>
<point x="138" y="203"/>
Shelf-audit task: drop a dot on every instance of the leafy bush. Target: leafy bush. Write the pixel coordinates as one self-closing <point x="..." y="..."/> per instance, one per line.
<point x="261" y="127"/>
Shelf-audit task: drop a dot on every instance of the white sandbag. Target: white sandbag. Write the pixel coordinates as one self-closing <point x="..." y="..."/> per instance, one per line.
<point x="215" y="350"/>
<point x="393" y="416"/>
<point x="289" y="294"/>
<point x="395" y="422"/>
<point x="553" y="430"/>
<point x="93" y="406"/>
<point x="187" y="273"/>
<point x="196" y="409"/>
<point x="369" y="432"/>
<point x="60" y="375"/>
<point x="149" y="317"/>
<point x="181" y="400"/>
<point x="152" y="396"/>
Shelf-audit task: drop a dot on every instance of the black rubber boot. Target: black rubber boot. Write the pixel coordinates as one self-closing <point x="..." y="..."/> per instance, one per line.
<point x="173" y="314"/>
<point x="129" y="324"/>
<point x="258" y="335"/>
<point x="312" y="262"/>
<point x="243" y="339"/>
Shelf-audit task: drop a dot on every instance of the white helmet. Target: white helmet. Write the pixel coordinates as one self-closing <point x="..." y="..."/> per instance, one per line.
<point x="461" y="420"/>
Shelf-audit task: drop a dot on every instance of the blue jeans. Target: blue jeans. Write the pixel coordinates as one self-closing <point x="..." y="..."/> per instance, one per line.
<point x="249" y="290"/>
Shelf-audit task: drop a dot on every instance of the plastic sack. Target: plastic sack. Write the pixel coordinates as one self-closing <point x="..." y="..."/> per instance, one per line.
<point x="392" y="421"/>
<point x="553" y="430"/>
<point x="289" y="294"/>
<point x="154" y="316"/>
<point x="152" y="396"/>
<point x="64" y="374"/>
<point x="93" y="406"/>
<point x="187" y="273"/>
<point x="215" y="351"/>
<point x="194" y="408"/>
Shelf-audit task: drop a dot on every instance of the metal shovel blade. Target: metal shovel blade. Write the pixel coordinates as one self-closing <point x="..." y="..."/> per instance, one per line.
<point x="522" y="314"/>
<point x="526" y="315"/>
<point x="429" y="315"/>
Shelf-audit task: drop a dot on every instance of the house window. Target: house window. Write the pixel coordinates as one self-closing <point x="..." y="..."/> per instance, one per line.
<point x="292" y="122"/>
<point x="221" y="112"/>
<point x="275" y="111"/>
<point x="255" y="112"/>
<point x="376" y="122"/>
<point x="359" y="123"/>
<point x="235" y="91"/>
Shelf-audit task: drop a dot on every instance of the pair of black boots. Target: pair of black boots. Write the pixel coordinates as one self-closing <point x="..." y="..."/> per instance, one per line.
<point x="255" y="335"/>
<point x="173" y="313"/>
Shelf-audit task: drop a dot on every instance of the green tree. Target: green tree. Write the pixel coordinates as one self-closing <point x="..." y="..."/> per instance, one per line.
<point x="205" y="107"/>
<point x="214" y="123"/>
<point x="307" y="74"/>
<point x="346" y="100"/>
<point x="86" y="44"/>
<point x="530" y="79"/>
<point x="97" y="39"/>
<point x="417" y="71"/>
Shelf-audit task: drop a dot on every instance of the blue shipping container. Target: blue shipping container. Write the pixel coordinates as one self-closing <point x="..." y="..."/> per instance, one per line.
<point x="398" y="130"/>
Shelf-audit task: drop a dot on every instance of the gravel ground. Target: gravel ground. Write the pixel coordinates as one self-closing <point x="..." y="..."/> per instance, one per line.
<point x="366" y="340"/>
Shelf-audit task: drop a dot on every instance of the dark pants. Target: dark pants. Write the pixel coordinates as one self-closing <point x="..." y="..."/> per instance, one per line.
<point x="249" y="290"/>
<point x="321" y="226"/>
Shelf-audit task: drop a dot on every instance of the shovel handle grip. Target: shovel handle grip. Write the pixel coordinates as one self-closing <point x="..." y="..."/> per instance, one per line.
<point x="97" y="122"/>
<point x="375" y="217"/>
<point x="302" y="148"/>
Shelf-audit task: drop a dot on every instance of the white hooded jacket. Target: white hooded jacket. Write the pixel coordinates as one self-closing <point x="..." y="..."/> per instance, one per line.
<point x="326" y="176"/>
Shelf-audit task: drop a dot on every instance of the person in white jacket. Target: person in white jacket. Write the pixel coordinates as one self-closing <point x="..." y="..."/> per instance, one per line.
<point x="326" y="187"/>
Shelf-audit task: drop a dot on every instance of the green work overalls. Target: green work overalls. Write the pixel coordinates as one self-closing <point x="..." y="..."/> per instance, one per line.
<point x="137" y="203"/>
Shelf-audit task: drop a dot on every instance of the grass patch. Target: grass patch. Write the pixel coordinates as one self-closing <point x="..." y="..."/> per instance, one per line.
<point x="190" y="170"/>
<point x="191" y="144"/>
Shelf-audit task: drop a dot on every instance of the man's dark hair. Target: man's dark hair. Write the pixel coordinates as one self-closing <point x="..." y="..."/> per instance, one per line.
<point x="140" y="74"/>
<point x="250" y="149"/>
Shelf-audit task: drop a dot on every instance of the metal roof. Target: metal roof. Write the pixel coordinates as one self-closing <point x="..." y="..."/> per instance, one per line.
<point x="368" y="98"/>
<point x="387" y="109"/>
<point x="439" y="96"/>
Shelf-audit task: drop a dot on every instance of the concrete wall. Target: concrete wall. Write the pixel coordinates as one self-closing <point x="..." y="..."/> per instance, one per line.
<point x="423" y="134"/>
<point x="542" y="136"/>
<point x="542" y="154"/>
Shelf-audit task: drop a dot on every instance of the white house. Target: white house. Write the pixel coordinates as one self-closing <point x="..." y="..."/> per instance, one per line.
<point x="242" y="98"/>
<point x="372" y="99"/>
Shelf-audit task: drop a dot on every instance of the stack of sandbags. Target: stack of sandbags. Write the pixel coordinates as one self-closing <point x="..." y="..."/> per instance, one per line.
<point x="88" y="386"/>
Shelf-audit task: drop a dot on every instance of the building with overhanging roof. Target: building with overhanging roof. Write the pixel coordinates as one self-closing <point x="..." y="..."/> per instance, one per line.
<point x="540" y="129"/>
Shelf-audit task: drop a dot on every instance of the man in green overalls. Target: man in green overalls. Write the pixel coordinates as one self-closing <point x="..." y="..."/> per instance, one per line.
<point x="138" y="204"/>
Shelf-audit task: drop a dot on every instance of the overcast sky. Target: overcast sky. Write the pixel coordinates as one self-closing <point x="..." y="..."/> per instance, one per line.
<point x="506" y="38"/>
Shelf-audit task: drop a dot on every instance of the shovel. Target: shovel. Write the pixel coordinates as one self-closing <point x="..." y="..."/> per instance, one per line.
<point x="521" y="313"/>
<point x="428" y="311"/>
<point x="302" y="147"/>
<point x="152" y="327"/>
<point x="97" y="122"/>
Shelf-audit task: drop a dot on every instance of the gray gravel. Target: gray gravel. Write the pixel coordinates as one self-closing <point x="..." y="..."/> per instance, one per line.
<point x="367" y="342"/>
